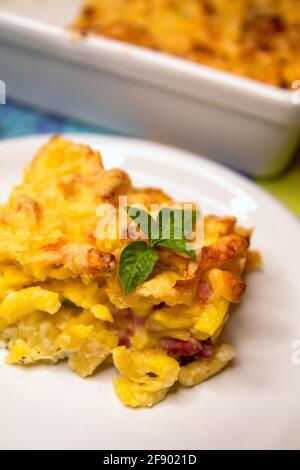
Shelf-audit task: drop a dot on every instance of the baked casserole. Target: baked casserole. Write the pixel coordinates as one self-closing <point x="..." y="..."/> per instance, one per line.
<point x="253" y="38"/>
<point x="62" y="289"/>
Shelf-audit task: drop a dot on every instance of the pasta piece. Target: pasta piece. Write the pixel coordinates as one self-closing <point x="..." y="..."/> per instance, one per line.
<point x="198" y="371"/>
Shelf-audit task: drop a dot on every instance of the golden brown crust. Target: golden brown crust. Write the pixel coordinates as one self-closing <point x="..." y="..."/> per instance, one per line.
<point x="28" y="205"/>
<point x="254" y="38"/>
<point x="114" y="183"/>
<point x="221" y="226"/>
<point x="79" y="258"/>
<point x="225" y="250"/>
<point x="230" y="286"/>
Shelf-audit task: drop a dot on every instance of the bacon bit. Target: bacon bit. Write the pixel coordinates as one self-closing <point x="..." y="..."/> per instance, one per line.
<point x="138" y="322"/>
<point x="133" y="323"/>
<point x="204" y="291"/>
<point x="126" y="313"/>
<point x="120" y="312"/>
<point x="124" y="338"/>
<point x="176" y="347"/>
<point x="192" y="349"/>
<point x="206" y="351"/>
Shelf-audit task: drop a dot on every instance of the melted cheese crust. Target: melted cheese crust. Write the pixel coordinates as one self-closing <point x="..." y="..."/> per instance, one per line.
<point x="254" y="38"/>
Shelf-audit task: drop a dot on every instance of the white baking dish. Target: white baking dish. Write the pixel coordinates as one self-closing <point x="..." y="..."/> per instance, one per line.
<point x="242" y="123"/>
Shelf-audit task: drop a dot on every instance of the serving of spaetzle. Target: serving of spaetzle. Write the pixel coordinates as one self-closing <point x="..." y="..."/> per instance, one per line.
<point x="66" y="294"/>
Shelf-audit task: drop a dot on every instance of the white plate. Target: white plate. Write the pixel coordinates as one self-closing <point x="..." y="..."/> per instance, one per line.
<point x="253" y="404"/>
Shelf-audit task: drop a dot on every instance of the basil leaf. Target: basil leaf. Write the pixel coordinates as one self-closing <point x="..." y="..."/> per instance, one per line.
<point x="171" y="224"/>
<point x="165" y="227"/>
<point x="177" y="245"/>
<point x="136" y="264"/>
<point x="142" y="219"/>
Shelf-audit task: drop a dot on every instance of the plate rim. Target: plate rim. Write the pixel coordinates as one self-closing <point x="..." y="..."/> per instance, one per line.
<point x="249" y="186"/>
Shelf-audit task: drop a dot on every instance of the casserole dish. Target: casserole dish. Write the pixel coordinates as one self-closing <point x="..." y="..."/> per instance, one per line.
<point x="247" y="125"/>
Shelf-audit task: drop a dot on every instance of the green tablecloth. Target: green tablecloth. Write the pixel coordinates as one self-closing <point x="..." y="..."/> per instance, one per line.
<point x="286" y="187"/>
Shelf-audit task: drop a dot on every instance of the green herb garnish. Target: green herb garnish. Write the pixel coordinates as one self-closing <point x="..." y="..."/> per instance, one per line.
<point x="136" y="264"/>
<point x="168" y="231"/>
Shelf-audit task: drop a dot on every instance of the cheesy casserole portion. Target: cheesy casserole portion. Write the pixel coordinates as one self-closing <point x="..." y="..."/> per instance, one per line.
<point x="253" y="38"/>
<point x="61" y="295"/>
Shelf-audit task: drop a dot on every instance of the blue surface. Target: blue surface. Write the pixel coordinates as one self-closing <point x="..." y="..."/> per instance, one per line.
<point x="17" y="120"/>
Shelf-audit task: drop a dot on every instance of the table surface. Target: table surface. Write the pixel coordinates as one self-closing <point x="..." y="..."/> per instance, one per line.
<point x="17" y="120"/>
